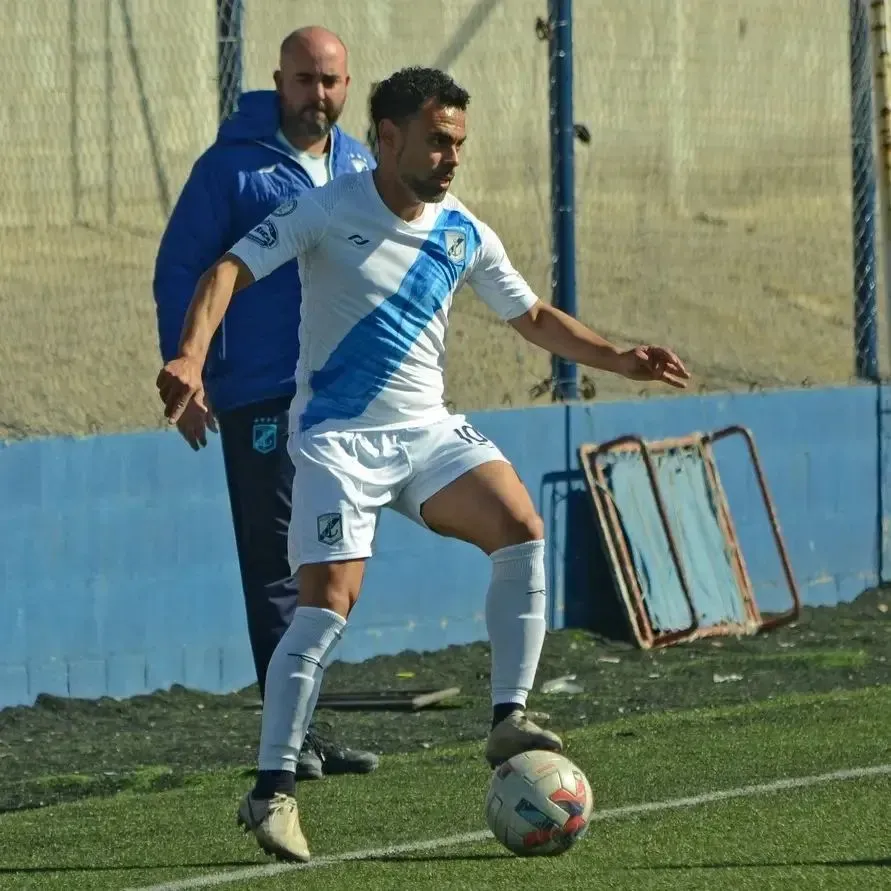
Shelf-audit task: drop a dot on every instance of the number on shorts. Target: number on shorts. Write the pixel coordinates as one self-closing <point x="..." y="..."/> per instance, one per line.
<point x="469" y="434"/>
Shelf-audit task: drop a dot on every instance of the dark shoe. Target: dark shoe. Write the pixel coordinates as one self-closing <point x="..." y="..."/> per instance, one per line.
<point x="320" y="756"/>
<point x="309" y="764"/>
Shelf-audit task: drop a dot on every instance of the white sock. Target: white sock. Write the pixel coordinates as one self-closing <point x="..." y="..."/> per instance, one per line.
<point x="293" y="682"/>
<point x="515" y="619"/>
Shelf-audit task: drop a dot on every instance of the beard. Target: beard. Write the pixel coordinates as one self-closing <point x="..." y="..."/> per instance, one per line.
<point x="311" y="121"/>
<point x="429" y="189"/>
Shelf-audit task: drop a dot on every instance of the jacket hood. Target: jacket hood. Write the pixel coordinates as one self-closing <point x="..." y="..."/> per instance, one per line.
<point x="256" y="117"/>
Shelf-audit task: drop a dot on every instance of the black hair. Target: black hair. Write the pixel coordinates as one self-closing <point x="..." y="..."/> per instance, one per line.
<point x="402" y="94"/>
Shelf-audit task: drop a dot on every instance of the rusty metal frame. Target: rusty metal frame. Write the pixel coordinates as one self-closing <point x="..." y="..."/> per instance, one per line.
<point x="622" y="563"/>
<point x="709" y="439"/>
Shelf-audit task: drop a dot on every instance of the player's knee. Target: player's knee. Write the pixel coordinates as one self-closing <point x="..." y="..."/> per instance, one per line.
<point x="522" y="528"/>
<point x="325" y="587"/>
<point x="335" y="599"/>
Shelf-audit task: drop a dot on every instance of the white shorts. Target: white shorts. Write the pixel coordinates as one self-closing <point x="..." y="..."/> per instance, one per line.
<point x="342" y="480"/>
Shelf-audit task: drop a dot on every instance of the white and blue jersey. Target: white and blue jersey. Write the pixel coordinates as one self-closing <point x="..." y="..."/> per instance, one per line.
<point x="376" y="296"/>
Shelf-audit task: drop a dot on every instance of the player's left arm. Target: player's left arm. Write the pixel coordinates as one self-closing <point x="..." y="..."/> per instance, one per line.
<point x="508" y="294"/>
<point x="561" y="334"/>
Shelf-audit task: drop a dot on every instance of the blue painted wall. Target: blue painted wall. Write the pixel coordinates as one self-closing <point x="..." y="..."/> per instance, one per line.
<point x="119" y="575"/>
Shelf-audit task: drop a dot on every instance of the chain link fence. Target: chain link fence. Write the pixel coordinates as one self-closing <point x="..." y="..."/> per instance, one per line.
<point x="714" y="196"/>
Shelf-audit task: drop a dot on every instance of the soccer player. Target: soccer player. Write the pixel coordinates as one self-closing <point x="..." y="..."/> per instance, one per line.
<point x="381" y="255"/>
<point x="278" y="144"/>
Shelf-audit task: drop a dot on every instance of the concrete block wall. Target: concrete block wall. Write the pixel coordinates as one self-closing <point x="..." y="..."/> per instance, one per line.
<point x="119" y="575"/>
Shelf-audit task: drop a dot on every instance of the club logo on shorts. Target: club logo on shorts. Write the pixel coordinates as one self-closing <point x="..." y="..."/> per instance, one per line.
<point x="264" y="436"/>
<point x="456" y="245"/>
<point x="265" y="234"/>
<point x="330" y="528"/>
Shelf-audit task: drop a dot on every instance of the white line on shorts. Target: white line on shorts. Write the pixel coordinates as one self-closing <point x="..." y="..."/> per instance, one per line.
<point x="452" y="841"/>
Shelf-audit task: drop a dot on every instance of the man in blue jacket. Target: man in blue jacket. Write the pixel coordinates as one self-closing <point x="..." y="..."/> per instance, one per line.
<point x="276" y="145"/>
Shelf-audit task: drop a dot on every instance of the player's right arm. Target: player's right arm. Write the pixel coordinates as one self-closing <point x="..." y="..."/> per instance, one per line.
<point x="195" y="235"/>
<point x="290" y="231"/>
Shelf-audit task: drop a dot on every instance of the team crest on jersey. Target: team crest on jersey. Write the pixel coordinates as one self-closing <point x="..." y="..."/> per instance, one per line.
<point x="456" y="245"/>
<point x="265" y="234"/>
<point x="285" y="208"/>
<point x="330" y="527"/>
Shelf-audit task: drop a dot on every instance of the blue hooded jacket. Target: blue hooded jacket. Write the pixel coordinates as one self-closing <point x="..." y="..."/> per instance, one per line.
<point x="241" y="178"/>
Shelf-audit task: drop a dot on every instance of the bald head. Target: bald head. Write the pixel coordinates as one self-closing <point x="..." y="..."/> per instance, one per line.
<point x="314" y="41"/>
<point x="312" y="83"/>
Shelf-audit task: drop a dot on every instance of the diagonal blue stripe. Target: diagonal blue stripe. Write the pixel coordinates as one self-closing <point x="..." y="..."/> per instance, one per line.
<point x="362" y="363"/>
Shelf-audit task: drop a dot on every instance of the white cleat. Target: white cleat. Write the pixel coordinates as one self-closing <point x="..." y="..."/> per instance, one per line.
<point x="276" y="825"/>
<point x="516" y="734"/>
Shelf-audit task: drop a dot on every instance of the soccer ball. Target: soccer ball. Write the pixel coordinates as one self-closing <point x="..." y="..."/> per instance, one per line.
<point x="539" y="803"/>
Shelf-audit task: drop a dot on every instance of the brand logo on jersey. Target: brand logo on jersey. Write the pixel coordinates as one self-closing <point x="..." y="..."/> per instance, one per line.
<point x="456" y="245"/>
<point x="284" y="209"/>
<point x="265" y="234"/>
<point x="264" y="436"/>
<point x="330" y="528"/>
<point x="359" y="163"/>
<point x="358" y="240"/>
<point x="269" y="169"/>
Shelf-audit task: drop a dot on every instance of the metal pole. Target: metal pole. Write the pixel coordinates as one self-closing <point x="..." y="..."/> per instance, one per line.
<point x="863" y="205"/>
<point x="565" y="374"/>
<point x="881" y="75"/>
<point x="230" y="54"/>
<point x="74" y="107"/>
<point x="110" y="171"/>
